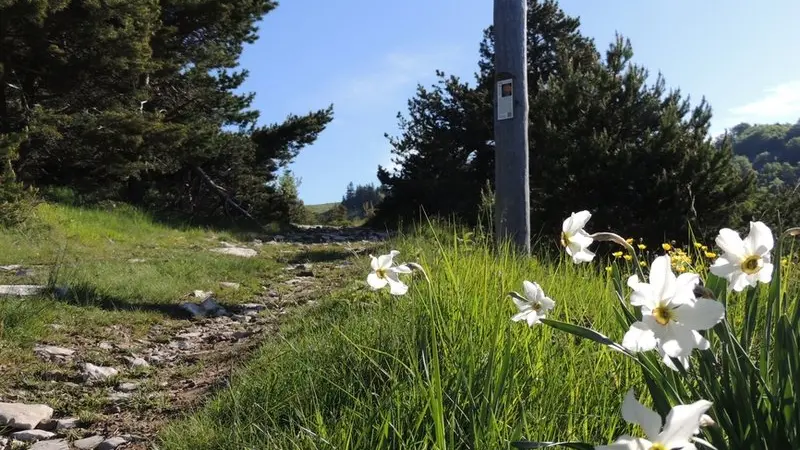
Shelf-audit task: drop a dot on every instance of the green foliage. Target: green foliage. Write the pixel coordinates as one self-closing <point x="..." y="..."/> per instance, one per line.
<point x="16" y="202"/>
<point x="772" y="154"/>
<point x="136" y="101"/>
<point x="442" y="367"/>
<point x="748" y="373"/>
<point x="599" y="135"/>
<point x="362" y="201"/>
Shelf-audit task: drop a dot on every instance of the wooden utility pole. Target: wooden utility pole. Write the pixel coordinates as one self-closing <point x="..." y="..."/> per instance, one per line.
<point x="512" y="185"/>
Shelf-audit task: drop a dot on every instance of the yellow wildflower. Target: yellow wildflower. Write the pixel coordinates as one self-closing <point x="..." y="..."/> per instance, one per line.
<point x="642" y="263"/>
<point x="698" y="245"/>
<point x="629" y="241"/>
<point x="704" y="248"/>
<point x="711" y="255"/>
<point x="681" y="269"/>
<point x="617" y="254"/>
<point x="666" y="246"/>
<point x="608" y="269"/>
<point x="628" y="257"/>
<point x="642" y="246"/>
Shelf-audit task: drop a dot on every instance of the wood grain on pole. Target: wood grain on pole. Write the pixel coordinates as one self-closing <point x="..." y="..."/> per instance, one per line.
<point x="512" y="191"/>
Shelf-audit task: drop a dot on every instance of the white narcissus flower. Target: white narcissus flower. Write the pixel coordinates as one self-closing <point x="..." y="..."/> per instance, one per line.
<point x="575" y="239"/>
<point x="671" y="315"/>
<point x="744" y="262"/>
<point x="682" y="423"/>
<point x="385" y="274"/>
<point x="533" y="306"/>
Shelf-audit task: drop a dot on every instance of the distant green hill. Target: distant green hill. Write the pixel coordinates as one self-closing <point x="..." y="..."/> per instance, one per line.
<point x="321" y="208"/>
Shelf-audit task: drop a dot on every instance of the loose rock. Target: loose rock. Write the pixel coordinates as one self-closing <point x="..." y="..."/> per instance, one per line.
<point x="20" y="416"/>
<point x="89" y="443"/>
<point x="21" y="290"/>
<point x="137" y="362"/>
<point x="229" y="285"/>
<point x="51" y="351"/>
<point x="55" y="444"/>
<point x="32" y="435"/>
<point x="94" y="373"/>
<point x="67" y="423"/>
<point x="128" y="387"/>
<point x="111" y="444"/>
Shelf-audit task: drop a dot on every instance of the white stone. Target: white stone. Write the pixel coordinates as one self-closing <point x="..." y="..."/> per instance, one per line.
<point x="98" y="372"/>
<point x="52" y="350"/>
<point x="229" y="285"/>
<point x="236" y="251"/>
<point x="21" y="290"/>
<point x="20" y="416"/>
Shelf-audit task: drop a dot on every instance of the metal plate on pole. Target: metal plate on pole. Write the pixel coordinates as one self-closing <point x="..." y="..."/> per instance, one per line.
<point x="505" y="99"/>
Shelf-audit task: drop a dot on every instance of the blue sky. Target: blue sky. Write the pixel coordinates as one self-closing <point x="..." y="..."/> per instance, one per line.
<point x="367" y="57"/>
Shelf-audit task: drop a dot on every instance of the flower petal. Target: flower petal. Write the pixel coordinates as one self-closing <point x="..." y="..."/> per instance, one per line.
<point x="700" y="342"/>
<point x="730" y="243"/>
<point x="547" y="303"/>
<point x="581" y="256"/>
<point x="636" y="413"/>
<point x="626" y="442"/>
<point x="765" y="274"/>
<point x="681" y="424"/>
<point x="700" y="315"/>
<point x="385" y="261"/>
<point x="639" y="338"/>
<point x="662" y="279"/>
<point x="533" y="292"/>
<point x="575" y="222"/>
<point x="724" y="267"/>
<point x="739" y="281"/>
<point x="396" y="287"/>
<point x="676" y="340"/>
<point x="760" y="240"/>
<point x="374" y="263"/>
<point x="684" y="288"/>
<point x="401" y="269"/>
<point x="376" y="282"/>
<point x="642" y="294"/>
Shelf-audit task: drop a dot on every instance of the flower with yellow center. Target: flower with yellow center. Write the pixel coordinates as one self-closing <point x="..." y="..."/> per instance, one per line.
<point x="533" y="306"/>
<point x="681" y="425"/>
<point x="745" y="262"/>
<point x="671" y="314"/>
<point x="384" y="273"/>
<point x="575" y="239"/>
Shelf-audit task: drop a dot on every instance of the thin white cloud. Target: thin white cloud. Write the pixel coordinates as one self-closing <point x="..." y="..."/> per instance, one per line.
<point x="394" y="73"/>
<point x="779" y="103"/>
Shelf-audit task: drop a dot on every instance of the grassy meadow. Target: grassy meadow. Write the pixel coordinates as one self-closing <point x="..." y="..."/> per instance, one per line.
<point x="442" y="367"/>
<point x="122" y="272"/>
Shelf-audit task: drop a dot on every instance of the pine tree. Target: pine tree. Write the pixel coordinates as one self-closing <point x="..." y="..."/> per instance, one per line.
<point x="635" y="155"/>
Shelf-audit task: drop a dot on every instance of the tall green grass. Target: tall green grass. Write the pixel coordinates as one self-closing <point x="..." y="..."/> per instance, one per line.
<point x="442" y="367"/>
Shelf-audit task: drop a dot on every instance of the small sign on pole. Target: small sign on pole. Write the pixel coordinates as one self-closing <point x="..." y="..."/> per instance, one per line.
<point x="505" y="99"/>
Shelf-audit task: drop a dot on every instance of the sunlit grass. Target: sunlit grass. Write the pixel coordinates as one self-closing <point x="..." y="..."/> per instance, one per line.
<point x="442" y="367"/>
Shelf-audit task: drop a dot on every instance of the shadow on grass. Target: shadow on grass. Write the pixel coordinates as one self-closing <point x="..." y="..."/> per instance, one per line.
<point x="320" y="256"/>
<point x="83" y="294"/>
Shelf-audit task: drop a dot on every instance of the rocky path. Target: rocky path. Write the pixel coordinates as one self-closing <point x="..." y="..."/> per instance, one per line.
<point x="118" y="393"/>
